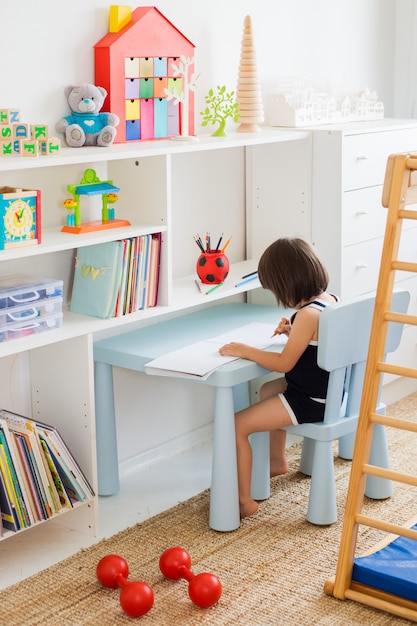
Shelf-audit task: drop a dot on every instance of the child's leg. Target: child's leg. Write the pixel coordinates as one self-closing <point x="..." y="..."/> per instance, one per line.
<point x="267" y="415"/>
<point x="277" y="438"/>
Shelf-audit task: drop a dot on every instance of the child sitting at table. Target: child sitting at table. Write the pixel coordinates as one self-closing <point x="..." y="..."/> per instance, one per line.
<point x="295" y="275"/>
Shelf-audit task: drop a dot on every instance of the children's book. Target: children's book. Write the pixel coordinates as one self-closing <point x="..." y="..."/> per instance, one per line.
<point x="154" y="266"/>
<point x="65" y="461"/>
<point x="8" y="511"/>
<point x="63" y="494"/>
<point x="97" y="276"/>
<point x="24" y="426"/>
<point x="202" y="358"/>
<point x="22" y="486"/>
<point x="143" y="272"/>
<point x="32" y="476"/>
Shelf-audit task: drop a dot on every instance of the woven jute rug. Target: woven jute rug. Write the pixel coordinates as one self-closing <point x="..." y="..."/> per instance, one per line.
<point x="272" y="568"/>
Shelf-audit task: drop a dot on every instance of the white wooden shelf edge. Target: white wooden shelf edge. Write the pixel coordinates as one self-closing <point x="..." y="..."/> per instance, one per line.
<point x="54" y="240"/>
<point x="75" y="156"/>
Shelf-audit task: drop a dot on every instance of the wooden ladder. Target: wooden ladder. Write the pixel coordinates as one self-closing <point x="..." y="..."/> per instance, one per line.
<point x="400" y="190"/>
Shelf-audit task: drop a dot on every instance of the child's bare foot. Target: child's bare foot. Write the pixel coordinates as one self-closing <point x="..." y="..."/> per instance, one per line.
<point x="278" y="468"/>
<point x="248" y="509"/>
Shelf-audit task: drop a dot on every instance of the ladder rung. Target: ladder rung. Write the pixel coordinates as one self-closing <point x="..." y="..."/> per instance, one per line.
<point x="404" y="213"/>
<point x="402" y="318"/>
<point x="375" y="599"/>
<point x="399" y="370"/>
<point x="394" y="422"/>
<point x="394" y="529"/>
<point x="404" y="265"/>
<point x="411" y="162"/>
<point x="381" y="472"/>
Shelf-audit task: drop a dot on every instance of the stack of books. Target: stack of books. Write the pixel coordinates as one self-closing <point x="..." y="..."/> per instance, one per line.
<point x="39" y="477"/>
<point x="118" y="277"/>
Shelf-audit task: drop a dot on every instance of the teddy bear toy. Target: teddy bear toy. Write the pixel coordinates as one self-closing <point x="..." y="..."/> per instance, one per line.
<point x="86" y="126"/>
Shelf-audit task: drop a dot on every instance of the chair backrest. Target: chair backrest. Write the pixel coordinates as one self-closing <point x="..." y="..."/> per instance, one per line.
<point x="344" y="331"/>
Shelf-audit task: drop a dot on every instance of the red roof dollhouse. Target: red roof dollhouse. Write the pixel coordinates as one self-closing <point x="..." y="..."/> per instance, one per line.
<point x="134" y="63"/>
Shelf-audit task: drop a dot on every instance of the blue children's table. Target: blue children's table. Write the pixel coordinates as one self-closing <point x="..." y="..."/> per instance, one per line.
<point x="132" y="350"/>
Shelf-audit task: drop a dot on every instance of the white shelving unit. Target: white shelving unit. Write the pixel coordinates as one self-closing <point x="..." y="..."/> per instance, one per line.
<point x="253" y="187"/>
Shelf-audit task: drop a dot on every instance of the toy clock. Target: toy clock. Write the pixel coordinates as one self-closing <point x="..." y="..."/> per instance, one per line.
<point x="20" y="217"/>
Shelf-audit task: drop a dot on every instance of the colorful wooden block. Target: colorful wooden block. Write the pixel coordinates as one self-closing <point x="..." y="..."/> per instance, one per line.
<point x="6" y="131"/>
<point x="29" y="147"/>
<point x="6" y="148"/>
<point x="9" y="116"/>
<point x="14" y="116"/>
<point x="39" y="131"/>
<point x="21" y="130"/>
<point x="49" y="146"/>
<point x="4" y="116"/>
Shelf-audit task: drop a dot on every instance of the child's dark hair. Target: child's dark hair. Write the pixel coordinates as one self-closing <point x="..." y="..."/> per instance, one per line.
<point x="292" y="271"/>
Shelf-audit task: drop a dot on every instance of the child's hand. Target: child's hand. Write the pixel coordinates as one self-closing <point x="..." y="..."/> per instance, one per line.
<point x="283" y="328"/>
<point x="234" y="349"/>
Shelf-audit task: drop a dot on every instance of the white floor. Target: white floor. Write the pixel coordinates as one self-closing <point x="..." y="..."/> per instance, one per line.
<point x="142" y="495"/>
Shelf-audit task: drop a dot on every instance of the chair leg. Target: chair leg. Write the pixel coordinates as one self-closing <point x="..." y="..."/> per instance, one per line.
<point x="378" y="488"/>
<point x="322" y="498"/>
<point x="347" y="446"/>
<point x="307" y="456"/>
<point x="260" y="486"/>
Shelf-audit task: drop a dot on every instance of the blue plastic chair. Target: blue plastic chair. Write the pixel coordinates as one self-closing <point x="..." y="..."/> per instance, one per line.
<point x="344" y="332"/>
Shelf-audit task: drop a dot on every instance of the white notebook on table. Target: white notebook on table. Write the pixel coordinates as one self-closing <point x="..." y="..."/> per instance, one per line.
<point x="198" y="360"/>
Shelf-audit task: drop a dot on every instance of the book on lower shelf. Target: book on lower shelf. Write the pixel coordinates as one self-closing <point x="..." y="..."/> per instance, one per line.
<point x="118" y="277"/>
<point x="200" y="359"/>
<point x="39" y="477"/>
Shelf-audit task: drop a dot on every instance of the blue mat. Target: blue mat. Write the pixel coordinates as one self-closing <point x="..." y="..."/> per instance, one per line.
<point x="392" y="569"/>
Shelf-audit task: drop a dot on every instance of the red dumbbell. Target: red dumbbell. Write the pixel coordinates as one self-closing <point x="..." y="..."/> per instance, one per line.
<point x="204" y="589"/>
<point x="136" y="597"/>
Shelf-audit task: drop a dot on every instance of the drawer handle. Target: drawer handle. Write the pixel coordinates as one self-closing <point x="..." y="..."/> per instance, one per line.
<point x="361" y="266"/>
<point x="362" y="212"/>
<point x="362" y="158"/>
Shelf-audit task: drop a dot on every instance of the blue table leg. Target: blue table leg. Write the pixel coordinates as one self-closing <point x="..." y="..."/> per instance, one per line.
<point x="106" y="438"/>
<point x="261" y="483"/>
<point x="224" y="498"/>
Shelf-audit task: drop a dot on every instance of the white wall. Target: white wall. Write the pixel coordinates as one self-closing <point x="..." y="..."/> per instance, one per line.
<point x="344" y="46"/>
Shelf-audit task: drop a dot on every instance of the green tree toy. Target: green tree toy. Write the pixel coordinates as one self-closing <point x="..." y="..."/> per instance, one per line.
<point x="220" y="106"/>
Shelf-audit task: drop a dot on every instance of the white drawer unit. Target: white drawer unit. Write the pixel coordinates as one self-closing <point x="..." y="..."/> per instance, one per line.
<point x="348" y="219"/>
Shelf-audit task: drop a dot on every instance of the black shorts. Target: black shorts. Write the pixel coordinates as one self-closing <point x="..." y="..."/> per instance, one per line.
<point x="302" y="409"/>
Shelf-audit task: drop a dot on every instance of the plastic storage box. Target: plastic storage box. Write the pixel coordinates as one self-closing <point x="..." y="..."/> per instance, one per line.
<point x="48" y="307"/>
<point x="22" y="289"/>
<point x="24" y="328"/>
<point x="29" y="305"/>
